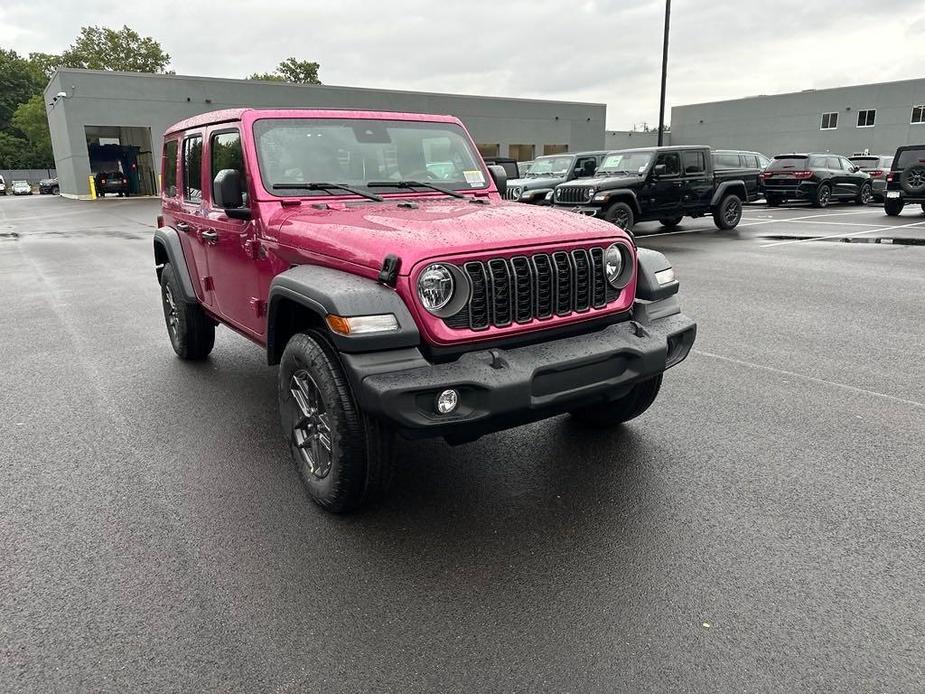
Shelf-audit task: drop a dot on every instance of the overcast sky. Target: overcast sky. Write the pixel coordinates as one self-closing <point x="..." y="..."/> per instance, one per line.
<point x="586" y="50"/>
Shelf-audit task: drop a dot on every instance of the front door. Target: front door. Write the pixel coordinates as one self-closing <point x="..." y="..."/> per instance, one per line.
<point x="697" y="188"/>
<point x="662" y="196"/>
<point x="232" y="243"/>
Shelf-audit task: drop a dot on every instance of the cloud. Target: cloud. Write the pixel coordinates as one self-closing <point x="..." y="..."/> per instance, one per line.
<point x="597" y="50"/>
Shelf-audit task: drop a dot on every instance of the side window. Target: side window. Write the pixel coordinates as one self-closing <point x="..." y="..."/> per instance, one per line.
<point x="671" y="162"/>
<point x="763" y="161"/>
<point x="845" y="164"/>
<point x="585" y="167"/>
<point x="749" y="161"/>
<point x="169" y="174"/>
<point x="192" y="169"/>
<point x="226" y="153"/>
<point x="833" y="163"/>
<point x="725" y="161"/>
<point x="693" y="163"/>
<point x="817" y="163"/>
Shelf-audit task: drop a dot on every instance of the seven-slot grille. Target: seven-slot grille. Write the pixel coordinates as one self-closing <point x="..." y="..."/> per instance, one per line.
<point x="523" y="288"/>
<point x="512" y="193"/>
<point x="572" y="194"/>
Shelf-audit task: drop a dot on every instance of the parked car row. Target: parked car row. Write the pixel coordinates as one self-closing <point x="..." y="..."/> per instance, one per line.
<point x="23" y="187"/>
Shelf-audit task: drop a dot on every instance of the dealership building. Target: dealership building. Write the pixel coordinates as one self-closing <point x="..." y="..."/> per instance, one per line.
<point x="870" y="117"/>
<point x="102" y="120"/>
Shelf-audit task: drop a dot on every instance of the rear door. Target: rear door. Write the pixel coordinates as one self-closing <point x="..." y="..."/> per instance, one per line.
<point x="190" y="214"/>
<point x="842" y="180"/>
<point x="855" y="178"/>
<point x="232" y="243"/>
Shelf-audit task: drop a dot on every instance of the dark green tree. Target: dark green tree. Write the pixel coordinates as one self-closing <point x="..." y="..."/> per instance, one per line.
<point x="30" y="119"/>
<point x="291" y="70"/>
<point x="19" y="81"/>
<point x="102" y="48"/>
<point x="45" y="63"/>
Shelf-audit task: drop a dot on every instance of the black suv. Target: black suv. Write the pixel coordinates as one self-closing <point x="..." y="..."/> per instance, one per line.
<point x="818" y="178"/>
<point x="663" y="183"/>
<point x="549" y="171"/>
<point x="906" y="181"/>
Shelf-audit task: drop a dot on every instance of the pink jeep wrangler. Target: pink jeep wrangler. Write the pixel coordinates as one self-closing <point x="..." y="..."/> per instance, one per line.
<point x="373" y="257"/>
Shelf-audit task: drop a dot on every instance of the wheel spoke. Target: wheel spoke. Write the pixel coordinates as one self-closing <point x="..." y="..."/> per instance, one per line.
<point x="312" y="430"/>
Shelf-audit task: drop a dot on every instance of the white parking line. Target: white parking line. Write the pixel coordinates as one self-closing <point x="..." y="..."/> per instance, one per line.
<point x="794" y="374"/>
<point x="839" y="236"/>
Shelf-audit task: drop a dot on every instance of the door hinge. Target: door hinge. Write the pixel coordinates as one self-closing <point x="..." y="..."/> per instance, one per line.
<point x="208" y="284"/>
<point x="260" y="307"/>
<point x="253" y="249"/>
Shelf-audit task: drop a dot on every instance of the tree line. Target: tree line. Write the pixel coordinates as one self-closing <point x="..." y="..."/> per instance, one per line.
<point x="25" y="141"/>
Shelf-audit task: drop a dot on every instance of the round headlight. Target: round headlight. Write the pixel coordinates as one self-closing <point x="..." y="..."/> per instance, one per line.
<point x="613" y="265"/>
<point x="516" y="192"/>
<point x="589" y="193"/>
<point x="435" y="287"/>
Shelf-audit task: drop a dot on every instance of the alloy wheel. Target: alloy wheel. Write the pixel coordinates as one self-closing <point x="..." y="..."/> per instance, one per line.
<point x="171" y="314"/>
<point x="311" y="433"/>
<point x="865" y="195"/>
<point x="732" y="211"/>
<point x="823" y="197"/>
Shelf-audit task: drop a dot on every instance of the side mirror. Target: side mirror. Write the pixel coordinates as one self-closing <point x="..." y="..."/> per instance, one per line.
<point x="499" y="176"/>
<point x="659" y="170"/>
<point x="228" y="194"/>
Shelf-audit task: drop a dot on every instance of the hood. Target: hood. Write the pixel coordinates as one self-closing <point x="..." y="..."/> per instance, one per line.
<point x="535" y="183"/>
<point x="364" y="233"/>
<point x="606" y="181"/>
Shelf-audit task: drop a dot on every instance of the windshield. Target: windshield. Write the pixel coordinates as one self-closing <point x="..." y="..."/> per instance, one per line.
<point x="356" y="152"/>
<point x="550" y="166"/>
<point x="625" y="162"/>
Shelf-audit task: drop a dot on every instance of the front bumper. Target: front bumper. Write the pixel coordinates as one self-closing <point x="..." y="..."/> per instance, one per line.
<point x="587" y="210"/>
<point x="501" y="388"/>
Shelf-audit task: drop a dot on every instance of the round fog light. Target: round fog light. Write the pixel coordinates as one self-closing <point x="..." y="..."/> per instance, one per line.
<point x="447" y="401"/>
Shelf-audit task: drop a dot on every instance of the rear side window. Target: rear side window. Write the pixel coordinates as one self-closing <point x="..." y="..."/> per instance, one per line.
<point x="785" y="163"/>
<point x="725" y="161"/>
<point x="818" y="163"/>
<point x="749" y="161"/>
<point x="226" y="153"/>
<point x="192" y="168"/>
<point x="693" y="162"/>
<point x="170" y="168"/>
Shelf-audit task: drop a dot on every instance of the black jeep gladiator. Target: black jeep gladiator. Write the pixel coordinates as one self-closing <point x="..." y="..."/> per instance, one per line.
<point x="660" y="183"/>
<point x="905" y="183"/>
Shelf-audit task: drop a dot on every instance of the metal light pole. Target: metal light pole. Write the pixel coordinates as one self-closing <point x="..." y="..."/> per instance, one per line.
<point x="661" y="104"/>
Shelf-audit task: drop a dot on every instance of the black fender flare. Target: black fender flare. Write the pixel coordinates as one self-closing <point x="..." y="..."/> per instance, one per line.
<point x="648" y="288"/>
<point x="726" y="187"/>
<point x="168" y="249"/>
<point x="622" y="195"/>
<point x="322" y="291"/>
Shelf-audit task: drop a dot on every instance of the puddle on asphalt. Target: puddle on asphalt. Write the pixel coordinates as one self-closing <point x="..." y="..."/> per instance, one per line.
<point x="886" y="241"/>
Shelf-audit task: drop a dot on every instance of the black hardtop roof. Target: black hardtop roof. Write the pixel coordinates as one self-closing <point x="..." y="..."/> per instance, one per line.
<point x="665" y="148"/>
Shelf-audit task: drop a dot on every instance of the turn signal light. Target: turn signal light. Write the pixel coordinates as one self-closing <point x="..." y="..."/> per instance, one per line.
<point x="362" y="325"/>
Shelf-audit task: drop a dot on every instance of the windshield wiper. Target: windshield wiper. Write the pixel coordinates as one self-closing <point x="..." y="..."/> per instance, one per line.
<point x="326" y="186"/>
<point x="414" y="184"/>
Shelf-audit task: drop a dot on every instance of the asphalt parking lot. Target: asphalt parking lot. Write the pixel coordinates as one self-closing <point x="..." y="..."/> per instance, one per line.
<point x="760" y="529"/>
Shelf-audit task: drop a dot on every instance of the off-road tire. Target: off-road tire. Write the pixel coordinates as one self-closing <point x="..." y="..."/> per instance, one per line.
<point x="192" y="332"/>
<point x="670" y="222"/>
<point x="361" y="447"/>
<point x="893" y="207"/>
<point x="728" y="213"/>
<point x="622" y="215"/>
<point x="864" y="195"/>
<point x="912" y="180"/>
<point x="773" y="201"/>
<point x="823" y="195"/>
<point x="630" y="406"/>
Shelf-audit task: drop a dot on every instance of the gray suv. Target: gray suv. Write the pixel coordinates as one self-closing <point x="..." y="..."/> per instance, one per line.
<point x="548" y="171"/>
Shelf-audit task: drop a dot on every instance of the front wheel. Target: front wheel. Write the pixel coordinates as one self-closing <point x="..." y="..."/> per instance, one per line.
<point x="893" y="207"/>
<point x="727" y="214"/>
<point x="823" y="195"/>
<point x="343" y="457"/>
<point x="191" y="331"/>
<point x="670" y="222"/>
<point x="630" y="406"/>
<point x="864" y="195"/>
<point x="620" y="214"/>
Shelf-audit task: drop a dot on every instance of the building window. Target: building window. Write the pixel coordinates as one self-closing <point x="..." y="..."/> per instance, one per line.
<point x="866" y="117"/>
<point x="918" y="115"/>
<point x="521" y="152"/>
<point x="555" y="149"/>
<point x="489" y="150"/>
<point x="829" y="121"/>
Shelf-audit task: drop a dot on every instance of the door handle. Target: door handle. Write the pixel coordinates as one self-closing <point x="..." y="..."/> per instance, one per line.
<point x="210" y="236"/>
<point x="184" y="227"/>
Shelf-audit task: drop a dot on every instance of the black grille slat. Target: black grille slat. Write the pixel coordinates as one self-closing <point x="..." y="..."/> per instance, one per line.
<point x="478" y="303"/>
<point x="521" y="289"/>
<point x="582" y="280"/>
<point x="500" y="277"/>
<point x="562" y="267"/>
<point x="572" y="195"/>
